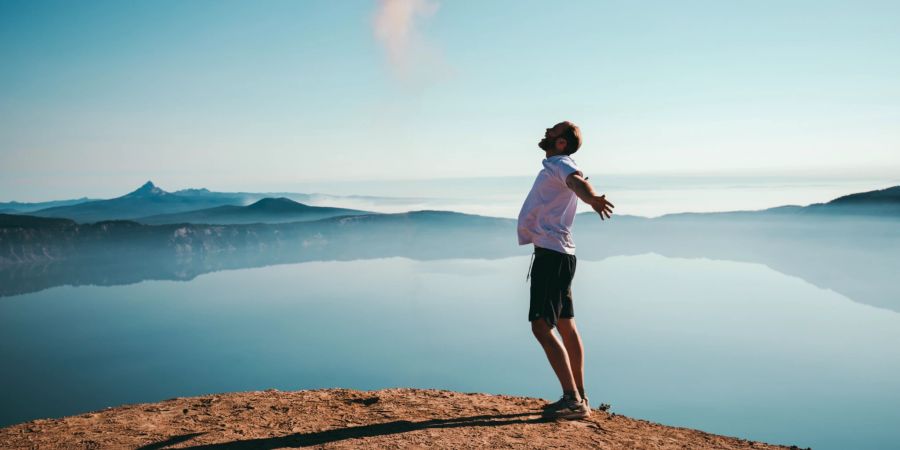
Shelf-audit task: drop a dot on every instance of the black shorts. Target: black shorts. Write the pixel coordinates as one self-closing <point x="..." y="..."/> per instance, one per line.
<point x="551" y="276"/>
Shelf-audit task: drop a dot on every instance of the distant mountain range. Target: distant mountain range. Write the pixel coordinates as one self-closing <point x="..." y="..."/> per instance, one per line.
<point x="883" y="202"/>
<point x="267" y="210"/>
<point x="153" y="205"/>
<point x="21" y="207"/>
<point x="880" y="202"/>
<point x="145" y="201"/>
<point x="150" y="200"/>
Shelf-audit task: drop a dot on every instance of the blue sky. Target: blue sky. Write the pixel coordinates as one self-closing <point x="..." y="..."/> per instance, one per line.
<point x="97" y="97"/>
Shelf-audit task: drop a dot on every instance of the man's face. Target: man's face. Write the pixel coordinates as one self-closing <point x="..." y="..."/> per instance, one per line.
<point x="552" y="140"/>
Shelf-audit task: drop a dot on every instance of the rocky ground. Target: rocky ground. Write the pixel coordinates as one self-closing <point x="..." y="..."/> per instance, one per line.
<point x="344" y="418"/>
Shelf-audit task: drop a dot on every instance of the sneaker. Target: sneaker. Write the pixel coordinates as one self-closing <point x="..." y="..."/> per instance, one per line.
<point x="566" y="408"/>
<point x="557" y="404"/>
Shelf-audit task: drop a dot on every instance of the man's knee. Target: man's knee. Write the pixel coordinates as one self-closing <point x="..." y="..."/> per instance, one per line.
<point x="567" y="327"/>
<point x="541" y="329"/>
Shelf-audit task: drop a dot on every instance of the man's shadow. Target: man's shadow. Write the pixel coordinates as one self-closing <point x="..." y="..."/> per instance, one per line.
<point x="338" y="434"/>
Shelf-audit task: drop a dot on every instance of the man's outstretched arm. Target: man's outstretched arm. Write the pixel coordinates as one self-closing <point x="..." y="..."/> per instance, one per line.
<point x="586" y="193"/>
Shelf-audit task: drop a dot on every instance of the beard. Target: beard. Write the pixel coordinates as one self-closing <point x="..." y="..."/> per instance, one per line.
<point x="545" y="144"/>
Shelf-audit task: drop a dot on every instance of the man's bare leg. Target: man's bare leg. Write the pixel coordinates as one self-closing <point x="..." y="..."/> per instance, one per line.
<point x="574" y="349"/>
<point x="556" y="354"/>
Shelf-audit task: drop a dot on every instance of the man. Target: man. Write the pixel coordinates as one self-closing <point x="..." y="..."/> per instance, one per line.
<point x="546" y="221"/>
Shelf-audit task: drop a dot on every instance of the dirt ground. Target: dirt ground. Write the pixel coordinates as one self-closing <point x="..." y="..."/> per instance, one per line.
<point x="344" y="418"/>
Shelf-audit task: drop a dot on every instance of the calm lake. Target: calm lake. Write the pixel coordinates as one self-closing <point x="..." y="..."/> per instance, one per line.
<point x="730" y="348"/>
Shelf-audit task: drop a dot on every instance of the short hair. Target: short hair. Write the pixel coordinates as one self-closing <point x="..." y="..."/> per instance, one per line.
<point x="572" y="135"/>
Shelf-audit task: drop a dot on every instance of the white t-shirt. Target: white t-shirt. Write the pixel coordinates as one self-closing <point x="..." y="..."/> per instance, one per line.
<point x="549" y="210"/>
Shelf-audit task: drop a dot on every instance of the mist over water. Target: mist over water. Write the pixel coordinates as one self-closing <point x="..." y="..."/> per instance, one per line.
<point x="642" y="195"/>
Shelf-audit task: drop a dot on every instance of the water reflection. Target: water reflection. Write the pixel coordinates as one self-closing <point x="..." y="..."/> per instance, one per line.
<point x="731" y="348"/>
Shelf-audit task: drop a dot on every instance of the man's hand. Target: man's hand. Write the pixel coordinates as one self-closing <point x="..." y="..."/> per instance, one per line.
<point x="585" y="192"/>
<point x="602" y="206"/>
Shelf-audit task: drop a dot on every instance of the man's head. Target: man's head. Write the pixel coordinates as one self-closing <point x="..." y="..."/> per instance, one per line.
<point x="563" y="139"/>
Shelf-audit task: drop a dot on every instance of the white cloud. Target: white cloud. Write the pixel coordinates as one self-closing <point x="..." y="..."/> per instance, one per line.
<point x="396" y="26"/>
